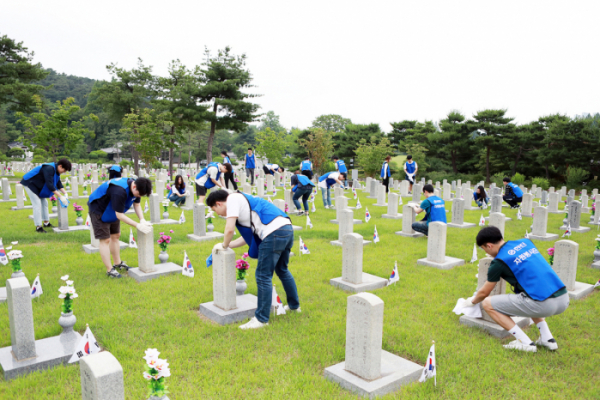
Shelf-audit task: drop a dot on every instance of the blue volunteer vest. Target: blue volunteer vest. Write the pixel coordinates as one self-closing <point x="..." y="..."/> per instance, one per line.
<point x="410" y="167"/>
<point x="45" y="193"/>
<point x="329" y="182"/>
<point x="209" y="183"/>
<point x="304" y="181"/>
<point x="531" y="270"/>
<point x="109" y="214"/>
<point x="341" y="166"/>
<point x="250" y="162"/>
<point x="267" y="212"/>
<point x="228" y="161"/>
<point x="437" y="211"/>
<point x="306" y="166"/>
<point x="116" y="168"/>
<point x="181" y="191"/>
<point x="385" y="170"/>
<point x="516" y="190"/>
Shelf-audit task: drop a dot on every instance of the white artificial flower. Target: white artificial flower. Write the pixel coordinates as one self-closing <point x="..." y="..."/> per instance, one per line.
<point x="64" y="278"/>
<point x="13" y="255"/>
<point x="62" y="296"/>
<point x="147" y="376"/>
<point x="74" y="296"/>
<point x="63" y="289"/>
<point x="151" y="357"/>
<point x="14" y="243"/>
<point x="69" y="283"/>
<point x="70" y="290"/>
<point x="164" y="373"/>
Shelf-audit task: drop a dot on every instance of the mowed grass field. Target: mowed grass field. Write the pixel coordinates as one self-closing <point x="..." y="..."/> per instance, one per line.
<point x="287" y="358"/>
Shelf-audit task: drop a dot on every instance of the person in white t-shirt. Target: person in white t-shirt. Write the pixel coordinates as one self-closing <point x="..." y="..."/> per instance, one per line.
<point x="269" y="235"/>
<point x="272" y="168"/>
<point x="326" y="181"/>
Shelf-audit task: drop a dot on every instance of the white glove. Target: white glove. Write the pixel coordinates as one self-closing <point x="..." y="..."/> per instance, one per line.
<point x="468" y="302"/>
<point x="66" y="195"/>
<point x="64" y="202"/>
<point x="144" y="228"/>
<point x="143" y="221"/>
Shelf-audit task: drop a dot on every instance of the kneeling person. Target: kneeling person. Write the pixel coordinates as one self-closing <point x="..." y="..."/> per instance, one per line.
<point x="107" y="207"/>
<point x="268" y="232"/>
<point x="513" y="194"/>
<point x="539" y="292"/>
<point x="435" y="210"/>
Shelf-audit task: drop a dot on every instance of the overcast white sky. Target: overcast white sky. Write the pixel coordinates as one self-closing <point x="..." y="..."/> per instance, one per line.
<point x="370" y="61"/>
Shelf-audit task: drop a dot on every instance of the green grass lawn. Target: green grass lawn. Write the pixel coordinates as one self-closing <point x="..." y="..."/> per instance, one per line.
<point x="287" y="358"/>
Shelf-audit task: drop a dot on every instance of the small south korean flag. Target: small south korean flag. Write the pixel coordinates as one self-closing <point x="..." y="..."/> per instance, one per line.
<point x="400" y="200"/>
<point x="375" y="235"/>
<point x="394" y="277"/>
<point x="429" y="371"/>
<point x="526" y="234"/>
<point x="270" y="201"/>
<point x="132" y="242"/>
<point x="354" y="194"/>
<point x="519" y="216"/>
<point x="276" y="302"/>
<point x="3" y="257"/>
<point x="313" y="208"/>
<point x="597" y="284"/>
<point x="568" y="231"/>
<point x="303" y="248"/>
<point x="86" y="346"/>
<point x="308" y="223"/>
<point x="188" y="270"/>
<point x="367" y="215"/>
<point x="474" y="257"/>
<point x="358" y="205"/>
<point x="481" y="221"/>
<point x="88" y="221"/>
<point x="182" y="218"/>
<point x="146" y="209"/>
<point x="36" y="288"/>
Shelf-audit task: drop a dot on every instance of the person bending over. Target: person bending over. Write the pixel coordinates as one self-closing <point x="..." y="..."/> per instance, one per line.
<point x="229" y="176"/>
<point x="326" y="181"/>
<point x="272" y="168"/>
<point x="435" y="210"/>
<point x="513" y="194"/>
<point x="539" y="292"/>
<point x="302" y="187"/>
<point x="209" y="177"/>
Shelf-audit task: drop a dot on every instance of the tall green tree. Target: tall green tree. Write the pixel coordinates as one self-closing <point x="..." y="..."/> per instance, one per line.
<point x="19" y="76"/>
<point x="345" y="143"/>
<point x="145" y="129"/>
<point x="454" y="138"/>
<point x="371" y="154"/>
<point x="271" y="120"/>
<point x="224" y="77"/>
<point x="319" y="146"/>
<point x="55" y="132"/>
<point x="331" y="123"/>
<point x="271" y="144"/>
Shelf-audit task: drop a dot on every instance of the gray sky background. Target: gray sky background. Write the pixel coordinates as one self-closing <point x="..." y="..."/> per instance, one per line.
<point x="376" y="61"/>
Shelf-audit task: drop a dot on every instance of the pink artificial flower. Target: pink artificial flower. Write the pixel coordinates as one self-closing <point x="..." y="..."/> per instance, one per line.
<point x="159" y="241"/>
<point x="245" y="255"/>
<point x="551" y="251"/>
<point x="162" y="233"/>
<point x="171" y="231"/>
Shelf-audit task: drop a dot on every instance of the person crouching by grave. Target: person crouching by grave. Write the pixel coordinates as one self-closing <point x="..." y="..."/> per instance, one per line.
<point x="302" y="187"/>
<point x="326" y="181"/>
<point x="177" y="193"/>
<point x="209" y="177"/>
<point x="480" y="197"/>
<point x="272" y="168"/>
<point x="435" y="210"/>
<point x="386" y="173"/>
<point x="115" y="171"/>
<point x="539" y="292"/>
<point x="269" y="235"/>
<point x="513" y="194"/>
<point x="306" y="168"/>
<point x="228" y="175"/>
<point x="41" y="183"/>
<point x="107" y="207"/>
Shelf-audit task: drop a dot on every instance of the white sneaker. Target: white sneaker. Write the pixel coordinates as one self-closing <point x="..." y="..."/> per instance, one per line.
<point x="550" y="344"/>
<point x="518" y="345"/>
<point x="287" y="308"/>
<point x="254" y="324"/>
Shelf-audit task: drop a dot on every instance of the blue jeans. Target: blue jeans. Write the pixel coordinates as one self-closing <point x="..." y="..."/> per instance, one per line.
<point x="273" y="256"/>
<point x="480" y="202"/>
<point x="328" y="201"/>
<point x="178" y="200"/>
<point x="305" y="194"/>
<point x="421" y="227"/>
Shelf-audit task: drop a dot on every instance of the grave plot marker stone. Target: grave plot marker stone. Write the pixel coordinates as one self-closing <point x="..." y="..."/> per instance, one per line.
<point x="226" y="307"/>
<point x="147" y="269"/>
<point x="20" y="199"/>
<point x="498" y="220"/>
<point x="94" y="246"/>
<point x="341" y="203"/>
<point x="101" y="377"/>
<point x="156" y="214"/>
<point x="408" y="217"/>
<point x="368" y="370"/>
<point x="200" y="234"/>
<point x="260" y="187"/>
<point x="553" y="203"/>
<point x="63" y="221"/>
<point x="497" y="206"/>
<point x="373" y="189"/>
<point x="416" y="194"/>
<point x="447" y="192"/>
<point x="404" y="186"/>
<point x="540" y="226"/>
<point x="353" y="278"/>
<point x="392" y="211"/>
<point x="584" y="204"/>
<point x="75" y="189"/>
<point x="367" y="188"/>
<point x="436" y="249"/>
<point x="346" y="225"/>
<point x="381" y="196"/>
<point x="527" y="205"/>
<point x="575" y="218"/>
<point x="189" y="199"/>
<point x="486" y="322"/>
<point x="458" y="215"/>
<point x="565" y="265"/>
<point x="247" y="189"/>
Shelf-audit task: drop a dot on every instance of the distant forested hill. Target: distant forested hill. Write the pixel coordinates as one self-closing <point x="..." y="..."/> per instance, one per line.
<point x="67" y="86"/>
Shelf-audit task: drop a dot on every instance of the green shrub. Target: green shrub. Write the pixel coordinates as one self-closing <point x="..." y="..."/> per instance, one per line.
<point x="38" y="159"/>
<point x="518" y="179"/>
<point x="541" y="182"/>
<point x="576" y="176"/>
<point x="16" y="152"/>
<point x="93" y="155"/>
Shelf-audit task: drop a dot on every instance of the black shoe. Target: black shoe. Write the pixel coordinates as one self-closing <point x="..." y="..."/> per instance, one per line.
<point x="113" y="273"/>
<point x="122" y="265"/>
<point x="48" y="225"/>
<point x="39" y="229"/>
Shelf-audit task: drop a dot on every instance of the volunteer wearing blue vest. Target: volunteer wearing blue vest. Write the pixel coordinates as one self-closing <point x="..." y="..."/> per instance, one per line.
<point x="435" y="210"/>
<point x="209" y="177"/>
<point x="250" y="165"/>
<point x="268" y="232"/>
<point x="107" y="207"/>
<point x="306" y="168"/>
<point x="340" y="166"/>
<point x="539" y="292"/>
<point x="326" y="181"/>
<point x="272" y="168"/>
<point x="513" y="194"/>
<point x="177" y="193"/>
<point x="41" y="183"/>
<point x="115" y="172"/>
<point x="302" y="187"/>
<point x="386" y="173"/>
<point x="410" y="169"/>
<point x="480" y="197"/>
<point x="228" y="175"/>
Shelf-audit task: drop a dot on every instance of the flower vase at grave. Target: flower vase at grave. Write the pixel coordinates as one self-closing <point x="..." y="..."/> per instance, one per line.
<point x="210" y="227"/>
<point x="166" y="207"/>
<point x="163" y="257"/>
<point x="67" y="322"/>
<point x="240" y="287"/>
<point x="79" y="221"/>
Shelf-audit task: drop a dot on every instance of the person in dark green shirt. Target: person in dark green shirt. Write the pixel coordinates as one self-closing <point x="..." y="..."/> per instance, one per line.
<point x="539" y="292"/>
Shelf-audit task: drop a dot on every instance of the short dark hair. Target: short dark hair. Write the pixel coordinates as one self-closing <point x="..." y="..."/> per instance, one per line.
<point x="488" y="234"/>
<point x="282" y="169"/>
<point x="224" y="153"/>
<point x="506" y="179"/>
<point x="249" y="149"/>
<point x="228" y="167"/>
<point x="307" y="158"/>
<point x="409" y="157"/>
<point x="344" y="175"/>
<point x="213" y="197"/>
<point x="428" y="188"/>
<point x="66" y="164"/>
<point x="144" y="186"/>
<point x="297" y="172"/>
<point x="336" y="158"/>
<point x="388" y="158"/>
